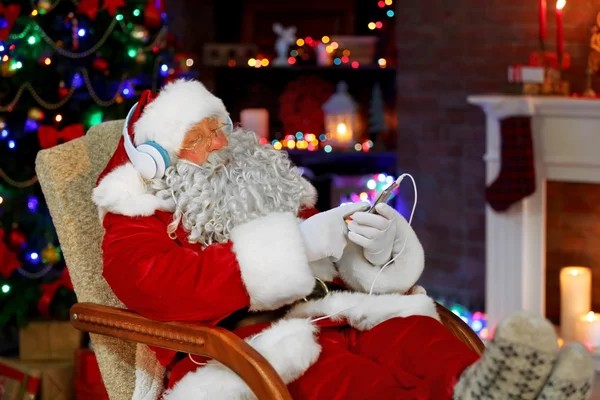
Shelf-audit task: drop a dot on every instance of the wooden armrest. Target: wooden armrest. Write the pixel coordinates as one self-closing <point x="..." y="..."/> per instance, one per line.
<point x="460" y="329"/>
<point x="213" y="342"/>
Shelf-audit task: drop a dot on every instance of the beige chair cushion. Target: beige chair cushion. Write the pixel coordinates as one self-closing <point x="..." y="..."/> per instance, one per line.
<point x="67" y="174"/>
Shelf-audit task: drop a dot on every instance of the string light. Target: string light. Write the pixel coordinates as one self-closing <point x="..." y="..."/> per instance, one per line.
<point x="300" y="42"/>
<point x="390" y="13"/>
<point x="47" y="61"/>
<point x="31" y="40"/>
<point x="58" y="118"/>
<point x="1" y="200"/>
<point x="81" y="32"/>
<point x="136" y="13"/>
<point x="382" y="62"/>
<point x="371" y="26"/>
<point x="325" y="39"/>
<point x="11" y="144"/>
<point x="5" y="289"/>
<point x="388" y="2"/>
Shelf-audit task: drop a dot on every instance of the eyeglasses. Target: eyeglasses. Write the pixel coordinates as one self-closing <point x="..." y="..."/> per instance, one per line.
<point x="224" y="128"/>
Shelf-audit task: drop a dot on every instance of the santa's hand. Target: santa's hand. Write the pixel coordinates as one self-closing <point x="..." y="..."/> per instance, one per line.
<point x="325" y="233"/>
<point x="375" y="233"/>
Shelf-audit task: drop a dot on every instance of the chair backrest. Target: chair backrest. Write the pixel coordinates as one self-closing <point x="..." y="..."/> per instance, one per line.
<point x="67" y="175"/>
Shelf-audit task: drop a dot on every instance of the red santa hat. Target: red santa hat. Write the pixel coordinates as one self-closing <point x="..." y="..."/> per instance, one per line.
<point x="164" y="119"/>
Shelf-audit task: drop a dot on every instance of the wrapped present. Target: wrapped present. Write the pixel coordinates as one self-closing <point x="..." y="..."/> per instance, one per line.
<point x="88" y="380"/>
<point x="18" y="381"/>
<point x="525" y="74"/>
<point x="51" y="340"/>
<point x="49" y="380"/>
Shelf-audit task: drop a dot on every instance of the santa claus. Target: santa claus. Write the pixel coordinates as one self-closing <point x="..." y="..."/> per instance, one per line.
<point x="204" y="224"/>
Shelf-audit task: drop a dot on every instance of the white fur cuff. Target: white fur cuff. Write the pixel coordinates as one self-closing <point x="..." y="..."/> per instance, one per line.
<point x="289" y="346"/>
<point x="272" y="260"/>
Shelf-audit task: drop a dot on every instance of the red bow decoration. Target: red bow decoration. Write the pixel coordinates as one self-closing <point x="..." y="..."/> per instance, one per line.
<point x="50" y="137"/>
<point x="49" y="290"/>
<point x="10" y="14"/>
<point x="153" y="12"/>
<point x="90" y="7"/>
<point x="8" y="260"/>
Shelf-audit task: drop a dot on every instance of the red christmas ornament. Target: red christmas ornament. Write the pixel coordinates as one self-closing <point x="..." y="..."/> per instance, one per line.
<point x="10" y="14"/>
<point x="89" y="8"/>
<point x="8" y="259"/>
<point x="16" y="239"/>
<point x="153" y="12"/>
<point x="112" y="5"/>
<point x="100" y="64"/>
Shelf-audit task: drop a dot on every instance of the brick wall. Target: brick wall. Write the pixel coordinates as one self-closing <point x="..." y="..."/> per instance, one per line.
<point x="446" y="51"/>
<point x="573" y="234"/>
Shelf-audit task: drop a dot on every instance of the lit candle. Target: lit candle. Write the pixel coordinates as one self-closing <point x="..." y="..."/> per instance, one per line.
<point x="560" y="43"/>
<point x="588" y="330"/>
<point x="575" y="298"/>
<point x="543" y="25"/>
<point x="257" y="121"/>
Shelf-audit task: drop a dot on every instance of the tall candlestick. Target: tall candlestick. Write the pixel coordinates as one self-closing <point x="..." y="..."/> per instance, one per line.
<point x="575" y="299"/>
<point x="543" y="23"/>
<point x="560" y="42"/>
<point x="257" y="121"/>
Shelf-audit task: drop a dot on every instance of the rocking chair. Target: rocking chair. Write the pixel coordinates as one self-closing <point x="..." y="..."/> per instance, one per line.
<point x="67" y="174"/>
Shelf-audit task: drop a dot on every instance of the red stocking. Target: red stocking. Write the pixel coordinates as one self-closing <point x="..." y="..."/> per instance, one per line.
<point x="517" y="172"/>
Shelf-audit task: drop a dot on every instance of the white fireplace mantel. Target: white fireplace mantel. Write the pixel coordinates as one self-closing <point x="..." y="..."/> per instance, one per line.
<point x="566" y="140"/>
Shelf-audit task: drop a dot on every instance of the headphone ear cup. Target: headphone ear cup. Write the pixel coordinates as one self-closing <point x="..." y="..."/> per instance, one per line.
<point x="229" y="127"/>
<point x="153" y="164"/>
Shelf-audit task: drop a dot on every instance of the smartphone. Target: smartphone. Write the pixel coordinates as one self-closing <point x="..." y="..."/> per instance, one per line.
<point x="384" y="196"/>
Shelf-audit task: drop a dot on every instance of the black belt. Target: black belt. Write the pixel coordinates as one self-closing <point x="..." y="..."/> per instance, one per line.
<point x="244" y="317"/>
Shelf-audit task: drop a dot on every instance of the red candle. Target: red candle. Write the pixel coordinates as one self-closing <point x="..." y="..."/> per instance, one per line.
<point x="560" y="43"/>
<point x="543" y="28"/>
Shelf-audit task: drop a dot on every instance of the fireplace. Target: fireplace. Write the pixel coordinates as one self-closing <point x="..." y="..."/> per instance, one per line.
<point x="524" y="249"/>
<point x="572" y="237"/>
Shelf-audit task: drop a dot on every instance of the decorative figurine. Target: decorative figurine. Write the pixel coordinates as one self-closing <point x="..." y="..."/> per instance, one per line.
<point x="286" y="37"/>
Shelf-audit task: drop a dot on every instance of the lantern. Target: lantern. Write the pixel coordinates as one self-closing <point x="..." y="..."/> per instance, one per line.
<point x="340" y="118"/>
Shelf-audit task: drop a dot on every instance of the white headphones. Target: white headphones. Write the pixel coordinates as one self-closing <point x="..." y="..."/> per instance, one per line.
<point x="149" y="159"/>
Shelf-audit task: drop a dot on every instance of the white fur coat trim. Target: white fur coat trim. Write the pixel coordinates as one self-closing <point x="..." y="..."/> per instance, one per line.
<point x="272" y="261"/>
<point x="123" y="191"/>
<point x="363" y="311"/>
<point x="288" y="345"/>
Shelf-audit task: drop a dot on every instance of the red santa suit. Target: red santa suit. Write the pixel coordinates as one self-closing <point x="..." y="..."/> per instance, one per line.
<point x="387" y="346"/>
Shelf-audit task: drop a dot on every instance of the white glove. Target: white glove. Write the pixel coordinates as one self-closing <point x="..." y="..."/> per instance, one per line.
<point x="375" y="233"/>
<point x="325" y="233"/>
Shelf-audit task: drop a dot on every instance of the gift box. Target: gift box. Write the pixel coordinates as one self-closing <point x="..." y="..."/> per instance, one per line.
<point x="525" y="74"/>
<point x="50" y="340"/>
<point x="18" y="381"/>
<point x="50" y="380"/>
<point x="88" y="380"/>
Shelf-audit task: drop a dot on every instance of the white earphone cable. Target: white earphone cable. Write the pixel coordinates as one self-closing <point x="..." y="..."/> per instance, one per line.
<point x="398" y="181"/>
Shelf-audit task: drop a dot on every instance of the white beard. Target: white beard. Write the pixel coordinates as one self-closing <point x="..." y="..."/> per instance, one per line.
<point x="239" y="183"/>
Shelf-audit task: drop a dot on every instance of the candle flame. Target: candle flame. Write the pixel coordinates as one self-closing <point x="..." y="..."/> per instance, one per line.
<point x="561" y="342"/>
<point x="341" y="128"/>
<point x="591" y="316"/>
<point x="560" y="4"/>
<point x="574" y="272"/>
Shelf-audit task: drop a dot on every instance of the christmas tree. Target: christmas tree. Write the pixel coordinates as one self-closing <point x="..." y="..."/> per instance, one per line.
<point x="65" y="65"/>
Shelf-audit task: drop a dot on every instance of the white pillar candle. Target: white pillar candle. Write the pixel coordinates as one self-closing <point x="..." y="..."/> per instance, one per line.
<point x="588" y="330"/>
<point x="575" y="299"/>
<point x="257" y="121"/>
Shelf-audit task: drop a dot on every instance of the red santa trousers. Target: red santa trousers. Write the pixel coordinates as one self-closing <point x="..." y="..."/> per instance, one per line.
<point x="403" y="358"/>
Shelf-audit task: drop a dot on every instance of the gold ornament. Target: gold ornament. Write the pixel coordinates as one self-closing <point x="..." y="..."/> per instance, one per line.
<point x="6" y="70"/>
<point x="141" y="57"/>
<point x="44" y="5"/>
<point x="35" y="114"/>
<point x="140" y="32"/>
<point x="50" y="254"/>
